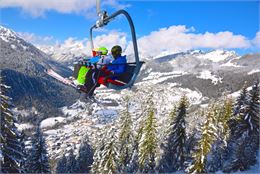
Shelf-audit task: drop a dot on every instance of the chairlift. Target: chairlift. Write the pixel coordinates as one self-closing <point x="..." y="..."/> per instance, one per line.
<point x="127" y="79"/>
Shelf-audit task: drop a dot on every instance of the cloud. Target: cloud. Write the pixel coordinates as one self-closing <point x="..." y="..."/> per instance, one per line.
<point x="37" y="8"/>
<point x="76" y="46"/>
<point x="256" y="40"/>
<point x="166" y="40"/>
<point x="110" y="39"/>
<point x="35" y="39"/>
<point x="180" y="38"/>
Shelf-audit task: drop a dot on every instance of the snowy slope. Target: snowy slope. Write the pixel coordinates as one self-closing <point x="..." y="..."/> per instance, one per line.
<point x="218" y="55"/>
<point x="23" y="67"/>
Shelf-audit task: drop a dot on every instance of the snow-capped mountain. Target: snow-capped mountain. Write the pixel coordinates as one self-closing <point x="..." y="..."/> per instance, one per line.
<point x="67" y="51"/>
<point x="23" y="67"/>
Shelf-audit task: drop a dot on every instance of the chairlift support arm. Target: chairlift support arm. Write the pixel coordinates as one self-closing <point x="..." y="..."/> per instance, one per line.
<point x="105" y="19"/>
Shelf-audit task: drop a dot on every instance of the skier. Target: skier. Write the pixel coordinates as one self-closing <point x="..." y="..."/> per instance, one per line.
<point x="117" y="66"/>
<point x="111" y="71"/>
<point x="104" y="57"/>
<point x="99" y="60"/>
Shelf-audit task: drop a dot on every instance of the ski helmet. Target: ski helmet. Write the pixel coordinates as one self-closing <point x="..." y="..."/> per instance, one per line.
<point x="116" y="51"/>
<point x="103" y="50"/>
<point x="95" y="52"/>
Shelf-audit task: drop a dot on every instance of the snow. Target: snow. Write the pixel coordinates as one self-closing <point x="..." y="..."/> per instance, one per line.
<point x="154" y="75"/>
<point x="158" y="77"/>
<point x="24" y="47"/>
<point x="217" y="55"/>
<point x="74" y="109"/>
<point x="51" y="132"/>
<point x="50" y="122"/>
<point x="4" y="38"/>
<point x="206" y="74"/>
<point x="165" y="53"/>
<point x="229" y="63"/>
<point x="66" y="51"/>
<point x="13" y="47"/>
<point x="24" y="126"/>
<point x="106" y="112"/>
<point x="5" y="34"/>
<point x="237" y="93"/>
<point x="253" y="71"/>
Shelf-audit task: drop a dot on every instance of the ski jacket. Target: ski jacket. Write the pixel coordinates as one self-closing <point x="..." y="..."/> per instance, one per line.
<point x="120" y="68"/>
<point x="104" y="60"/>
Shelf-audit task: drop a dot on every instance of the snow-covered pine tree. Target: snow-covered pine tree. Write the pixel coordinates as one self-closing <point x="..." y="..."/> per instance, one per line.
<point x="241" y="100"/>
<point x="204" y="145"/>
<point x="98" y="151"/>
<point x="224" y="117"/>
<point x="106" y="157"/>
<point x="252" y="110"/>
<point x="67" y="164"/>
<point x="134" y="165"/>
<point x="38" y="160"/>
<point x="219" y="151"/>
<point x="85" y="157"/>
<point x="71" y="165"/>
<point x="126" y="138"/>
<point x="110" y="158"/>
<point x="174" y="147"/>
<point x="11" y="152"/>
<point x="23" y="148"/>
<point x="244" y="140"/>
<point x="61" y="165"/>
<point x="148" y="144"/>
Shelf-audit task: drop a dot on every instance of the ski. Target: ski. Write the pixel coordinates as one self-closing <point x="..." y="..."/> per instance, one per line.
<point x="64" y="80"/>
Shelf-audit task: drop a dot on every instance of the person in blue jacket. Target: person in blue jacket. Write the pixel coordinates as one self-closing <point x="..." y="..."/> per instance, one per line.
<point x="118" y="65"/>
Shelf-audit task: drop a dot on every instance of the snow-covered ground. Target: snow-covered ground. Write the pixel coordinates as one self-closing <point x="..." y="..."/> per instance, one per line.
<point x="206" y="74"/>
<point x="254" y="71"/>
<point x="217" y="55"/>
<point x="51" y="122"/>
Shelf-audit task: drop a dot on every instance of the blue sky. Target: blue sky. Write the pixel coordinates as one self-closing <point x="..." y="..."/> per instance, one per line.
<point x="241" y="18"/>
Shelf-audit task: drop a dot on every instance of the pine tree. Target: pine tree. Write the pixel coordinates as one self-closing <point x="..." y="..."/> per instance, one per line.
<point x="204" y="145"/>
<point x="85" y="158"/>
<point x="225" y="116"/>
<point x="62" y="165"/>
<point x="71" y="164"/>
<point x="174" y="148"/>
<point x="106" y="157"/>
<point x="109" y="161"/>
<point x="11" y="152"/>
<point x="134" y="163"/>
<point x="23" y="150"/>
<point x="241" y="101"/>
<point x="252" y="109"/>
<point x="244" y="140"/>
<point x="126" y="139"/>
<point x="148" y="143"/>
<point x="39" y="162"/>
<point x="219" y="151"/>
<point x="67" y="164"/>
<point x="98" y="152"/>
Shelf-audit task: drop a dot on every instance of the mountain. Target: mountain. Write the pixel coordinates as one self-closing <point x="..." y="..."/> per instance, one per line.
<point x="65" y="52"/>
<point x="23" y="67"/>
